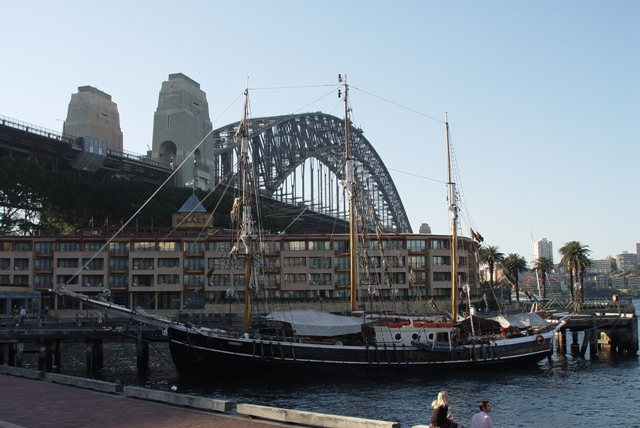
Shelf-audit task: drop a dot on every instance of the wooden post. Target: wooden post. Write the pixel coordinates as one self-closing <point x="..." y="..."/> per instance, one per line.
<point x="562" y="341"/>
<point x="593" y="344"/>
<point x="142" y="353"/>
<point x="97" y="356"/>
<point x="12" y="354"/>
<point x="49" y="356"/>
<point x="42" y="355"/>
<point x="89" y="355"/>
<point x="585" y="341"/>
<point x="19" y="354"/>
<point x="57" y="356"/>
<point x="575" y="343"/>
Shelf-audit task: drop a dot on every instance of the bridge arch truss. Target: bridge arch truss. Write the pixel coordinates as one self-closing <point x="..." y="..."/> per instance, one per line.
<point x="299" y="159"/>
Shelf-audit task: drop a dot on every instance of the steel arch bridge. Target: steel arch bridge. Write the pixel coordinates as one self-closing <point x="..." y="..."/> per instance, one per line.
<point x="299" y="159"/>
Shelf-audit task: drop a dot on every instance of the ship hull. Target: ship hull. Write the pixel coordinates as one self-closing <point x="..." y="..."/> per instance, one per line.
<point x="209" y="354"/>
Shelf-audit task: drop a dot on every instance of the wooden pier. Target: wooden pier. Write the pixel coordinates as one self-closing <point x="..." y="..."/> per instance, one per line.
<point x="604" y="324"/>
<point x="45" y="339"/>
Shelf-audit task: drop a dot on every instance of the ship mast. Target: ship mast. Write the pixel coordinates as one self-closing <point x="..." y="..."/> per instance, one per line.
<point x="453" y="207"/>
<point x="246" y="232"/>
<point x="349" y="184"/>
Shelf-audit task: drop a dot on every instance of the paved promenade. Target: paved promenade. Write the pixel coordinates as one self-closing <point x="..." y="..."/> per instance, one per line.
<point x="37" y="403"/>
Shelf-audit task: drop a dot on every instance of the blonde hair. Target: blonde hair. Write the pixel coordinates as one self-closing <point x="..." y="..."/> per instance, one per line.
<point x="442" y="400"/>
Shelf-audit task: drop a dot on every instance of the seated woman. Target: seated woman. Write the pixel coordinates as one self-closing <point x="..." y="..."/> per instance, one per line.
<point x="440" y="414"/>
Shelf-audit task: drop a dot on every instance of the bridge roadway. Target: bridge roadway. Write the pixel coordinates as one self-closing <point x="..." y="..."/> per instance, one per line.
<point x="36" y="403"/>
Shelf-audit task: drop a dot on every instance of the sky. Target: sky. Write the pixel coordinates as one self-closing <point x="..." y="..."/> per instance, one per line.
<point x="542" y="98"/>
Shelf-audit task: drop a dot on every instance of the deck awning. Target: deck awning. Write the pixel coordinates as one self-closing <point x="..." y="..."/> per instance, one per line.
<point x="308" y="322"/>
<point x="520" y="320"/>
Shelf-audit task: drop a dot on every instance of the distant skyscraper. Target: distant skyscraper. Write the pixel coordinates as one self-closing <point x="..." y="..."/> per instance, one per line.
<point x="425" y="228"/>
<point x="543" y="248"/>
<point x="626" y="261"/>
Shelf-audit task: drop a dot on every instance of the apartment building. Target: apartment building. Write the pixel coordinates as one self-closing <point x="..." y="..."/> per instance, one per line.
<point x="154" y="271"/>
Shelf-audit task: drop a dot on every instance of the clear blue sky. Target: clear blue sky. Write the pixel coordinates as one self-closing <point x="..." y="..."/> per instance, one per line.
<point x="543" y="97"/>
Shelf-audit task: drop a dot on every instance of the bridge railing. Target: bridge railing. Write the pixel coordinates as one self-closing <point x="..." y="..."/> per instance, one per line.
<point x="34" y="129"/>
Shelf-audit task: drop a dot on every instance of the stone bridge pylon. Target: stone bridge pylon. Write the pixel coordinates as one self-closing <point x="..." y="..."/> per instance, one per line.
<point x="297" y="159"/>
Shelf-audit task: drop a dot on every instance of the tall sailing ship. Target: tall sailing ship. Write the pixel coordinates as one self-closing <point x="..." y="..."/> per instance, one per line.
<point x="287" y="342"/>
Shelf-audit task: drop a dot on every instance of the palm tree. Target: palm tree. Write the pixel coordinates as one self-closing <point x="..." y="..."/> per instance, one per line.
<point x="514" y="264"/>
<point x="543" y="265"/>
<point x="576" y="257"/>
<point x="491" y="256"/>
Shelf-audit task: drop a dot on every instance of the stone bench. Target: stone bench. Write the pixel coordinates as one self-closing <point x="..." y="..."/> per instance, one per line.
<point x="310" y="418"/>
<point x="96" y="385"/>
<point x="19" y="371"/>
<point x="202" y="403"/>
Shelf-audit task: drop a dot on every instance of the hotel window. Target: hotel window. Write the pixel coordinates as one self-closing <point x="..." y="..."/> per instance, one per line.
<point x="118" y="281"/>
<point x="5" y="264"/>
<point x="193" y="280"/>
<point x="417" y="261"/>
<point x="168" y="246"/>
<point x="193" y="264"/>
<point x="442" y="276"/>
<point x="118" y="247"/>
<point x="95" y="264"/>
<point x="439" y="244"/>
<point x="67" y="263"/>
<point x="221" y="263"/>
<point x="220" y="280"/>
<point x="144" y="246"/>
<point x="142" y="280"/>
<point x="168" y="279"/>
<point x="395" y="261"/>
<point x="341" y="262"/>
<point x="441" y="260"/>
<point x="416" y="245"/>
<point x="219" y="246"/>
<point x="21" y="264"/>
<point x="69" y="246"/>
<point x="320" y="262"/>
<point x="22" y="280"/>
<point x="194" y="247"/>
<point x="295" y="278"/>
<point x="93" y="246"/>
<point x="67" y="279"/>
<point x="168" y="263"/>
<point x="142" y="264"/>
<point x="119" y="264"/>
<point x="43" y="264"/>
<point x="341" y="279"/>
<point x="45" y="247"/>
<point x="319" y="245"/>
<point x="238" y="280"/>
<point x="295" y="261"/>
<point x="92" y="280"/>
<point x="294" y="245"/>
<point x="320" y="279"/>
<point x="43" y="281"/>
<point x="22" y="246"/>
<point x="341" y="246"/>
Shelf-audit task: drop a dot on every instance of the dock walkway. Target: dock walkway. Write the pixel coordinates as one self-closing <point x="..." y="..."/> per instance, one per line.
<point x="35" y="403"/>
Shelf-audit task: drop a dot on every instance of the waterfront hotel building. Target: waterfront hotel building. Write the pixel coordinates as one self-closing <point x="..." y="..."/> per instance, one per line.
<point x="185" y="270"/>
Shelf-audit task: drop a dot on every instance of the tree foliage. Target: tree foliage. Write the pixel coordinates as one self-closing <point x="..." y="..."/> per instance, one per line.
<point x="37" y="201"/>
<point x="514" y="264"/>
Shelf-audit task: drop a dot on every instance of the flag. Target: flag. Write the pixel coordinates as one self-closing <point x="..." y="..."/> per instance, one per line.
<point x="91" y="222"/>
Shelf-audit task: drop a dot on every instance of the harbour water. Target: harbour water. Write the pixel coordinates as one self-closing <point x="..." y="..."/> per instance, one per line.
<point x="567" y="391"/>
